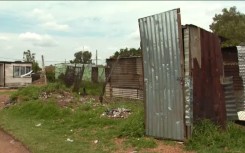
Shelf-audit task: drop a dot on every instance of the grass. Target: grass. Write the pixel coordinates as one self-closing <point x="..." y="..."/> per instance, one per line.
<point x="208" y="137"/>
<point x="92" y="88"/>
<point x="83" y="125"/>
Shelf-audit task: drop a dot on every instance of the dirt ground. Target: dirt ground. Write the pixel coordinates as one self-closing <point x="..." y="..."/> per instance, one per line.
<point x="7" y="143"/>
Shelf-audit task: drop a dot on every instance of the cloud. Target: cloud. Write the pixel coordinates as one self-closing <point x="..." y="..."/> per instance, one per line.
<point x="30" y="36"/>
<point x="4" y="38"/>
<point x="81" y="48"/>
<point x="38" y="40"/>
<point x="42" y="15"/>
<point x="55" y="26"/>
<point x="135" y="35"/>
<point x="48" y="21"/>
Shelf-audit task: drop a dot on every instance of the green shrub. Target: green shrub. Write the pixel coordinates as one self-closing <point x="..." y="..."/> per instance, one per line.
<point x="134" y="127"/>
<point x="32" y="92"/>
<point x="208" y="137"/>
<point x="26" y="93"/>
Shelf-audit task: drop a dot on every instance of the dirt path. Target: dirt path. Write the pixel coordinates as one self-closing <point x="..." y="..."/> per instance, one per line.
<point x="7" y="143"/>
<point x="10" y="145"/>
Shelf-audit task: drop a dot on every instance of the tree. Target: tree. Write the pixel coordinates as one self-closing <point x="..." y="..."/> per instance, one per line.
<point x="229" y="24"/>
<point x="83" y="57"/>
<point x="30" y="57"/>
<point x="127" y="52"/>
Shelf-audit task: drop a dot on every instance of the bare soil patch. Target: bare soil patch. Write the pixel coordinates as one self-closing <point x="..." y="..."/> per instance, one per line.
<point x="10" y="145"/>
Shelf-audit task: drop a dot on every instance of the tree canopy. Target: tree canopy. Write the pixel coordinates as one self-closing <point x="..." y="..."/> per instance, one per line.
<point x="82" y="57"/>
<point x="30" y="57"/>
<point x="127" y="52"/>
<point x="229" y="24"/>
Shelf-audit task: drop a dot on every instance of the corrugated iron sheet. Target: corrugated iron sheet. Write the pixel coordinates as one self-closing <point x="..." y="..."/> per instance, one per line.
<point x="241" y="63"/>
<point x="188" y="101"/>
<point x="126" y="78"/>
<point x="231" y="68"/>
<point x="230" y="100"/>
<point x="161" y="40"/>
<point x="207" y="73"/>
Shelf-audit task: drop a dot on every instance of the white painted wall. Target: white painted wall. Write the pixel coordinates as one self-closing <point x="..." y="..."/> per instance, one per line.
<point x="10" y="80"/>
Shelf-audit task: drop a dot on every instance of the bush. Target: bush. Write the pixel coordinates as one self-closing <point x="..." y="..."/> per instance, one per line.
<point x="134" y="127"/>
<point x="50" y="76"/>
<point x="208" y="137"/>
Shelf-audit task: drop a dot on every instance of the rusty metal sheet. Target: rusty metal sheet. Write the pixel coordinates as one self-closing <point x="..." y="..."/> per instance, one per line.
<point x="208" y="93"/>
<point x="161" y="42"/>
<point x="126" y="78"/>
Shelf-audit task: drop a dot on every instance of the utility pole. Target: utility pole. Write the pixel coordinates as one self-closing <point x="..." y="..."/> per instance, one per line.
<point x="44" y="73"/>
<point x="96" y="57"/>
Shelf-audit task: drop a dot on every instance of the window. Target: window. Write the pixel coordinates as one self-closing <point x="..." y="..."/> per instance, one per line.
<point x="21" y="70"/>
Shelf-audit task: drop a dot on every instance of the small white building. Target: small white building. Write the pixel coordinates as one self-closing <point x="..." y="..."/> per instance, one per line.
<point x="15" y="74"/>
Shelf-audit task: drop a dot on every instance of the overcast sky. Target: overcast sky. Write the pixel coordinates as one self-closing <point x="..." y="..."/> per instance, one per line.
<point x="58" y="29"/>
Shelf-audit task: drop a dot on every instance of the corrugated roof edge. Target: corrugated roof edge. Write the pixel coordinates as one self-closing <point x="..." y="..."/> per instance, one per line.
<point x="177" y="9"/>
<point x="9" y="62"/>
<point x="124" y="57"/>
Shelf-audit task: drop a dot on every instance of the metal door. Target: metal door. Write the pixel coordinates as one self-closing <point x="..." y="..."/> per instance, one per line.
<point x="161" y="42"/>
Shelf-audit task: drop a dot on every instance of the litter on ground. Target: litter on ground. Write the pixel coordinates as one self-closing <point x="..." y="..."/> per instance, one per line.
<point x="117" y="113"/>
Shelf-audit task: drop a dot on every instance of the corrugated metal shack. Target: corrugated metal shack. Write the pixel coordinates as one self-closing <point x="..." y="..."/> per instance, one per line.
<point x="234" y="67"/>
<point x="183" y="76"/>
<point x="206" y="71"/>
<point x="126" y="78"/>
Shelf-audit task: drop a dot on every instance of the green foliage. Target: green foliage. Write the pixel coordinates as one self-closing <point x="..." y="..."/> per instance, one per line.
<point x="54" y="87"/>
<point x="50" y="73"/>
<point x="127" y="52"/>
<point x="50" y="76"/>
<point x="83" y="57"/>
<point x="39" y="110"/>
<point x="35" y="67"/>
<point x="32" y="92"/>
<point x="134" y="127"/>
<point x="93" y="89"/>
<point x="30" y="57"/>
<point x="229" y="24"/>
<point x="83" y="125"/>
<point x="26" y="94"/>
<point x="207" y="137"/>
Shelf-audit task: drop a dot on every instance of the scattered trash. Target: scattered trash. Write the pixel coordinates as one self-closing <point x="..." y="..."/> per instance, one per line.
<point x="96" y="141"/>
<point x="63" y="98"/>
<point x="39" y="124"/>
<point x="117" y="113"/>
<point x="69" y="140"/>
<point x="133" y="152"/>
<point x="179" y="142"/>
<point x="71" y="130"/>
<point x="12" y="142"/>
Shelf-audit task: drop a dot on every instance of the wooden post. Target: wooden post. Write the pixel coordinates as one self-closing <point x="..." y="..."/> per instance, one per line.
<point x="44" y="72"/>
<point x="96" y="57"/>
